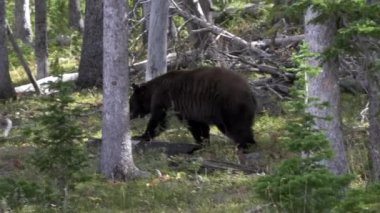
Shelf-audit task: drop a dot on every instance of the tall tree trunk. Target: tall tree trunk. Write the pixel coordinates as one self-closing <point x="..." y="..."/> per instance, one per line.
<point x="146" y="11"/>
<point x="41" y="46"/>
<point x="116" y="152"/>
<point x="75" y="18"/>
<point x="373" y="73"/>
<point x="325" y="89"/>
<point x="371" y="50"/>
<point x="7" y="90"/>
<point x="23" y="26"/>
<point x="157" y="41"/>
<point x="91" y="62"/>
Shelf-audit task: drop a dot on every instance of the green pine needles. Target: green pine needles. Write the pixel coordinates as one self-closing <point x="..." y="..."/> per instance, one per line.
<point x="303" y="183"/>
<point x="60" y="151"/>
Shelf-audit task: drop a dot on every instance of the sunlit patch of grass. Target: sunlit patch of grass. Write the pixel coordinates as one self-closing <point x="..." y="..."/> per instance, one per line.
<point x="269" y="129"/>
<point x="351" y="112"/>
<point x="68" y="61"/>
<point x="90" y="103"/>
<point x="19" y="76"/>
<point x="28" y="107"/>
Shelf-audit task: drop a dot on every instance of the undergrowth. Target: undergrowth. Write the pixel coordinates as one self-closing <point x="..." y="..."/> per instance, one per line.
<point x="183" y="188"/>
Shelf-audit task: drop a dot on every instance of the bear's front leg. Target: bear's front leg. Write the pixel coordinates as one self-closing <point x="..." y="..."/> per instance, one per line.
<point x="157" y="119"/>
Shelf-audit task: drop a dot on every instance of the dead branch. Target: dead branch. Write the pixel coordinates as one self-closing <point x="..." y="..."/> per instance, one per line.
<point x="172" y="60"/>
<point x="274" y="92"/>
<point x="219" y="31"/>
<point x="22" y="60"/>
<point x="283" y="41"/>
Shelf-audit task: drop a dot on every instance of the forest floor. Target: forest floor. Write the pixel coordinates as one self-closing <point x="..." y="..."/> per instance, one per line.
<point x="184" y="187"/>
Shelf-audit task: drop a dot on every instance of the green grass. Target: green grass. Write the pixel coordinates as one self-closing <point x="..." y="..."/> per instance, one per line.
<point x="183" y="188"/>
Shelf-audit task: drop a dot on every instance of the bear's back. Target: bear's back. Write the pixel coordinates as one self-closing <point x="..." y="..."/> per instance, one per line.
<point x="202" y="94"/>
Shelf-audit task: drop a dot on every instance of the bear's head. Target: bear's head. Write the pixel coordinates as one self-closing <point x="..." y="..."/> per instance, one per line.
<point x="139" y="103"/>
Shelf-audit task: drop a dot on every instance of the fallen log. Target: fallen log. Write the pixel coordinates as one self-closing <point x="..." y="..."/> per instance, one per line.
<point x="219" y="165"/>
<point x="166" y="147"/>
<point x="43" y="83"/>
<point x="279" y="41"/>
<point x="171" y="149"/>
<point x="186" y="148"/>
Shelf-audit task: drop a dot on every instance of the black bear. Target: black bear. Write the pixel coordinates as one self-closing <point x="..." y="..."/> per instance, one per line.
<point x="204" y="96"/>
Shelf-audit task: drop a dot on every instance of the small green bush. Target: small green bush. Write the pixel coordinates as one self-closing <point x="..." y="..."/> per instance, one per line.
<point x="60" y="151"/>
<point x="18" y="192"/>
<point x="59" y="139"/>
<point x="303" y="183"/>
<point x="361" y="200"/>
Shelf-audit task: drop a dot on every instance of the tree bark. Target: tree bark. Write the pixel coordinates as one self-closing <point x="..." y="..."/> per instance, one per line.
<point x="75" y="18"/>
<point x="157" y="40"/>
<point x="23" y="26"/>
<point x="91" y="63"/>
<point x="146" y="10"/>
<point x="371" y="48"/>
<point x="116" y="151"/>
<point x="374" y="117"/>
<point x="7" y="90"/>
<point x="325" y="89"/>
<point x="41" y="46"/>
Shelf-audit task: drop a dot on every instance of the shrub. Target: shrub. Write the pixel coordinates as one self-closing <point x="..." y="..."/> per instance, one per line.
<point x="303" y="183"/>
<point x="60" y="151"/>
<point x="361" y="200"/>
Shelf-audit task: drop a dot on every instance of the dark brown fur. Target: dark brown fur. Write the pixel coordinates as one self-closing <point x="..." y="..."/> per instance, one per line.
<point x="202" y="97"/>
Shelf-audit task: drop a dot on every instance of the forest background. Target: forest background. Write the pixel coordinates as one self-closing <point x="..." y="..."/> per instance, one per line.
<point x="318" y="155"/>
